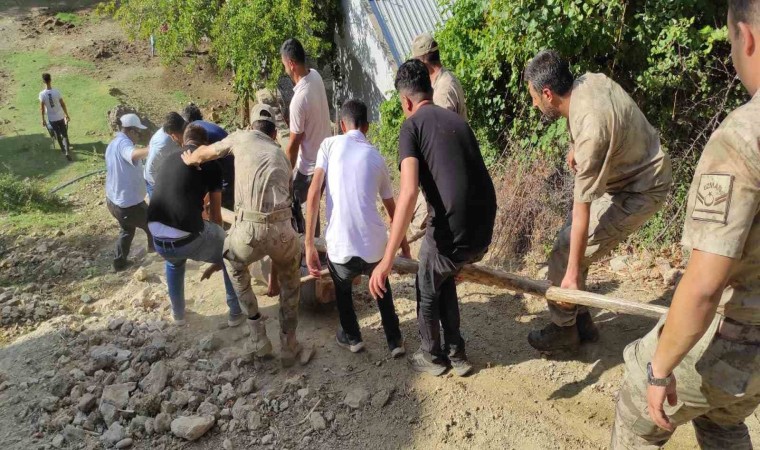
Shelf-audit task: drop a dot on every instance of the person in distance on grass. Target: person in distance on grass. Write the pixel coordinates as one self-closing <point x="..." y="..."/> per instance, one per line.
<point x="175" y="217"/>
<point x="355" y="176"/>
<point x="438" y="151"/>
<point x="263" y="191"/>
<point x="125" y="187"/>
<point x="622" y="177"/>
<point x="51" y="102"/>
<point x="704" y="357"/>
<point x="165" y="142"/>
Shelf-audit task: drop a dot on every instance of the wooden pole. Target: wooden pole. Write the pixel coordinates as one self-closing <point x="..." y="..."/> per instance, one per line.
<point x="493" y="277"/>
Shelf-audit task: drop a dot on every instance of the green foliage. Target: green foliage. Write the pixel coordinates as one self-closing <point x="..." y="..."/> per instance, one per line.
<point x="244" y="35"/>
<point x="69" y="17"/>
<point x="19" y="196"/>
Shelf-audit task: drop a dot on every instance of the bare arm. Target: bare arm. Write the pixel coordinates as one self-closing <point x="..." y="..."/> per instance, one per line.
<point x="294" y="143"/>
<point x="202" y="154"/>
<point x="693" y="308"/>
<point x="578" y="243"/>
<point x="215" y="207"/>
<point x="139" y="153"/>
<point x="312" y="215"/>
<point x="390" y="207"/>
<point x="42" y="112"/>
<point x="402" y="217"/>
<point x="65" y="111"/>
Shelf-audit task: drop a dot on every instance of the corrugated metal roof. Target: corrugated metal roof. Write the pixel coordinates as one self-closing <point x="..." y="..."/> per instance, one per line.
<point x="402" y="20"/>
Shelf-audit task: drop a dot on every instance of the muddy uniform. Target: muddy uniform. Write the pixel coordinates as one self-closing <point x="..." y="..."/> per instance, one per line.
<point x="621" y="171"/>
<point x="447" y="93"/>
<point x="718" y="382"/>
<point x="262" y="225"/>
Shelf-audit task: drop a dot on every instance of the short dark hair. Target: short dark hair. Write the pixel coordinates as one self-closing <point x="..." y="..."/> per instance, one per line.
<point x="191" y="113"/>
<point x="46" y="77"/>
<point x="433" y="57"/>
<point x="354" y="113"/>
<point x="264" y="126"/>
<point x="549" y="70"/>
<point x="293" y="50"/>
<point x="174" y="123"/>
<point x="196" y="134"/>
<point x="747" y="11"/>
<point x="413" y="80"/>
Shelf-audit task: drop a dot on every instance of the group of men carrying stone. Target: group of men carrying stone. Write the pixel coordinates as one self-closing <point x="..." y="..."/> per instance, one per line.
<point x="709" y="340"/>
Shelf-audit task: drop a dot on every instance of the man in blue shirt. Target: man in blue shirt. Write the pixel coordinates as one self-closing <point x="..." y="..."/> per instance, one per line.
<point x="125" y="187"/>
<point x="166" y="141"/>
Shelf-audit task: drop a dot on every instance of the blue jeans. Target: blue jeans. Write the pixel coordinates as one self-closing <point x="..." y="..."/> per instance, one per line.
<point x="207" y="247"/>
<point x="149" y="188"/>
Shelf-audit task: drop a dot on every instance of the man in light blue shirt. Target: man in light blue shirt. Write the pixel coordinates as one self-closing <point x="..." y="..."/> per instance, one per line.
<point x="125" y="187"/>
<point x="166" y="141"/>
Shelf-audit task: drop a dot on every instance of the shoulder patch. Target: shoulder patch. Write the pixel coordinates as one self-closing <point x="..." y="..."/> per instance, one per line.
<point x="713" y="198"/>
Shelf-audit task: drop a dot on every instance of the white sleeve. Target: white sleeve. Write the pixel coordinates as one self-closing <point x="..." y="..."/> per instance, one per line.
<point x="323" y="156"/>
<point x="125" y="151"/>
<point x="298" y="115"/>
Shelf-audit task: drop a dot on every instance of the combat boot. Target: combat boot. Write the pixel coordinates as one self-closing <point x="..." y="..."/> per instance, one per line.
<point x="289" y="348"/>
<point x="553" y="338"/>
<point x="587" y="330"/>
<point x="261" y="346"/>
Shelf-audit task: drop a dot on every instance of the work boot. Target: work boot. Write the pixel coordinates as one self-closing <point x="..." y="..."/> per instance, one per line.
<point x="587" y="331"/>
<point x="261" y="346"/>
<point x="554" y="338"/>
<point x="289" y="348"/>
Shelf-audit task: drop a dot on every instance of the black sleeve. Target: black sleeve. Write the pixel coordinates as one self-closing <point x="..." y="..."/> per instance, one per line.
<point x="408" y="144"/>
<point x="212" y="174"/>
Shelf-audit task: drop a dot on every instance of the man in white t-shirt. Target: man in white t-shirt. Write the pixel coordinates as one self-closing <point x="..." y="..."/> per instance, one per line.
<point x="52" y="103"/>
<point x="355" y="175"/>
<point x="309" y="117"/>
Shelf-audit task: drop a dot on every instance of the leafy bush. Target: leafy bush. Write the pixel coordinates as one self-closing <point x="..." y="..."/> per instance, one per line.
<point x="19" y="196"/>
<point x="244" y="35"/>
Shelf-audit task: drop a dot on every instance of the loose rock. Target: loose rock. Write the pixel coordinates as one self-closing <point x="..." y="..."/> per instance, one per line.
<point x="192" y="427"/>
<point x="356" y="398"/>
<point x="318" y="422"/>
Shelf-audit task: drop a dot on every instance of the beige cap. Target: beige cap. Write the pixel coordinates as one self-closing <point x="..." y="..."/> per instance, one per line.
<point x="423" y="44"/>
<point x="258" y="109"/>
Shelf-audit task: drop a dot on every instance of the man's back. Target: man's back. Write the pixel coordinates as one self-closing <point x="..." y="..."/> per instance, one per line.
<point x="124" y="182"/>
<point x="179" y="191"/>
<point x="51" y="98"/>
<point x="161" y="146"/>
<point x="458" y="189"/>
<point x="356" y="175"/>
<point x="448" y="93"/>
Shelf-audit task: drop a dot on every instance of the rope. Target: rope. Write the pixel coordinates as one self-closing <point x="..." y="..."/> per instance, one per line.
<point x="68" y="183"/>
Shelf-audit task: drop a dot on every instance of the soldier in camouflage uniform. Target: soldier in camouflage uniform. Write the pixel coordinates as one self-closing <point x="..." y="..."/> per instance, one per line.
<point x="710" y="340"/>
<point x="263" y="193"/>
<point x="622" y="178"/>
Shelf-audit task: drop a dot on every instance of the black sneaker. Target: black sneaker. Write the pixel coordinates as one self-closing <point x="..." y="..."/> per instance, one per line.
<point x="397" y="348"/>
<point x="421" y="363"/>
<point x="355" y="345"/>
<point x="587" y="330"/>
<point x="555" y="338"/>
<point x="119" y="265"/>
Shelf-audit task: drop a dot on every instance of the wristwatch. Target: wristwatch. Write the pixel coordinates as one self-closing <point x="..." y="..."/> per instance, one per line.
<point x="652" y="381"/>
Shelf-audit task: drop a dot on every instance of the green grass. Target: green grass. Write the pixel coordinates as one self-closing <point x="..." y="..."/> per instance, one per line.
<point x="69" y="17"/>
<point x="26" y="149"/>
<point x="180" y="98"/>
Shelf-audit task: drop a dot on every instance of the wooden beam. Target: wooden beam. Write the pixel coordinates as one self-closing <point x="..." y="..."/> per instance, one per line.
<point x="493" y="277"/>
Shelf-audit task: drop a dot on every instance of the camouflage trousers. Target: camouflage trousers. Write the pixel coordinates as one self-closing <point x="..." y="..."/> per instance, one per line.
<point x="248" y="242"/>
<point x="718" y="386"/>
<point x="613" y="218"/>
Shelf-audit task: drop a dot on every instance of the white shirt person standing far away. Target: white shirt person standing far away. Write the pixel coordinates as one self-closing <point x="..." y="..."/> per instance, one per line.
<point x="51" y="102"/>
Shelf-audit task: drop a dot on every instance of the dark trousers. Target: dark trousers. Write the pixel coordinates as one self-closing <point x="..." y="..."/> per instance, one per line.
<point x="61" y="132"/>
<point x="437" y="303"/>
<point x="129" y="220"/>
<point x="301" y="184"/>
<point x="343" y="276"/>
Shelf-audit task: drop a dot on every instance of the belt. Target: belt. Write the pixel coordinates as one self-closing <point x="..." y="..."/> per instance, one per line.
<point x="176" y="243"/>
<point x="280" y="215"/>
<point x="734" y="331"/>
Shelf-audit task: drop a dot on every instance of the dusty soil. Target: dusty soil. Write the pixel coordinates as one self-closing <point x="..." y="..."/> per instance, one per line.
<point x="65" y="307"/>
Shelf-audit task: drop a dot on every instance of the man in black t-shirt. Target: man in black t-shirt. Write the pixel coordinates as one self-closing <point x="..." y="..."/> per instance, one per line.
<point x="175" y="216"/>
<point x="438" y="151"/>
